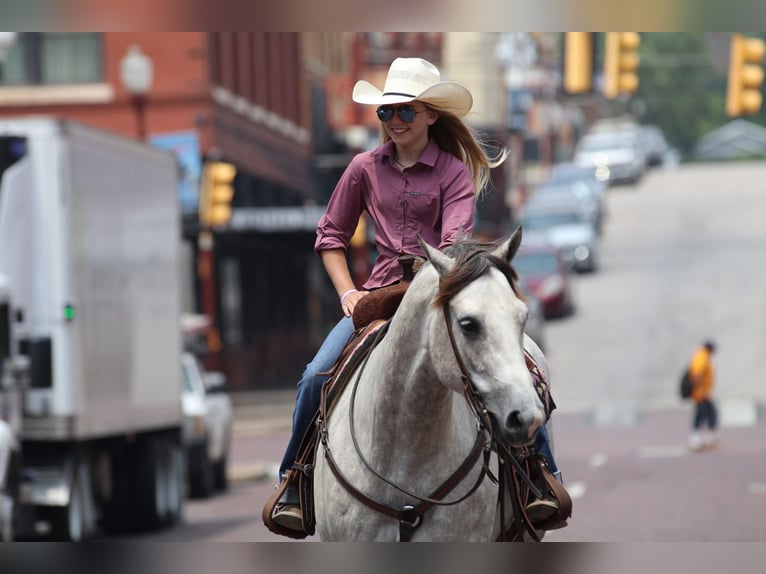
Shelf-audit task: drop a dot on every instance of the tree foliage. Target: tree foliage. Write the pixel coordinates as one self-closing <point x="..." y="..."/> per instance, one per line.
<point x="680" y="88"/>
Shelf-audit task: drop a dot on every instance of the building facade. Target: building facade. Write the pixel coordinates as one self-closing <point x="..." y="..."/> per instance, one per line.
<point x="238" y="97"/>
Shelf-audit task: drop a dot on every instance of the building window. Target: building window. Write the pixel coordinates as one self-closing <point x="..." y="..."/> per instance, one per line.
<point x="39" y="58"/>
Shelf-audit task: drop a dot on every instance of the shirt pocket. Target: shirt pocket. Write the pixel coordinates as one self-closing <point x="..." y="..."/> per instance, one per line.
<point x="424" y="205"/>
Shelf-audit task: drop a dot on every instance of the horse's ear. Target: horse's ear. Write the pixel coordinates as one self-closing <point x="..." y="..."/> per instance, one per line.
<point x="441" y="262"/>
<point x="509" y="247"/>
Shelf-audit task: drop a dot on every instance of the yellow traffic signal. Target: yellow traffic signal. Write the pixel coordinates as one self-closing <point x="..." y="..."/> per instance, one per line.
<point x="216" y="194"/>
<point x="578" y="62"/>
<point x="621" y="63"/>
<point x="743" y="89"/>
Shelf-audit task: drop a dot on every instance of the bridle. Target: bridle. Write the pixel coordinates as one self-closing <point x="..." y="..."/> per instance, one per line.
<point x="410" y="517"/>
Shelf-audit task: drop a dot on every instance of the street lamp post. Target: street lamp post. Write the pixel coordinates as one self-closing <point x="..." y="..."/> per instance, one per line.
<point x="136" y="73"/>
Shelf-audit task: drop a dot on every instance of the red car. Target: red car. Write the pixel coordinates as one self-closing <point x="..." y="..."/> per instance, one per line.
<point x="544" y="273"/>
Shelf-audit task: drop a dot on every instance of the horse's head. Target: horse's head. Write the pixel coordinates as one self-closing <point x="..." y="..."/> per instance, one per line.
<point x="478" y="299"/>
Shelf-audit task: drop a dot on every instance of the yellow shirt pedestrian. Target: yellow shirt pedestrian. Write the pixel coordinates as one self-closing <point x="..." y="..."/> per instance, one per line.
<point x="705" y="421"/>
<point x="702" y="373"/>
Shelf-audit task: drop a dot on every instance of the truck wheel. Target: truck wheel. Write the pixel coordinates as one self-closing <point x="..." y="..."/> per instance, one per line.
<point x="7" y="507"/>
<point x="176" y="485"/>
<point x="68" y="522"/>
<point x="152" y="487"/>
<point x="8" y="504"/>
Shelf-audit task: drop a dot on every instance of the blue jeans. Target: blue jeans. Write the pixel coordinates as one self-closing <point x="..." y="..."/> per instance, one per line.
<point x="543" y="444"/>
<point x="705" y="414"/>
<point x="310" y="394"/>
<point x="310" y="387"/>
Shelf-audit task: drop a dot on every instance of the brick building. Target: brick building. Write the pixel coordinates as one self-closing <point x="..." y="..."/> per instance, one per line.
<point x="239" y="97"/>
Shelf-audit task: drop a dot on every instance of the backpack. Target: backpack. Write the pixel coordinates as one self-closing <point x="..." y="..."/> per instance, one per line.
<point x="685" y="387"/>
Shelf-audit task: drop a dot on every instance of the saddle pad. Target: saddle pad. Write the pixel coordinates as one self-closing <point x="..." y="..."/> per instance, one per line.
<point x="360" y="343"/>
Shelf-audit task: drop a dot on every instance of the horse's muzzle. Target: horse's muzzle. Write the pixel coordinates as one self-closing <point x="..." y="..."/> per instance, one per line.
<point x="520" y="426"/>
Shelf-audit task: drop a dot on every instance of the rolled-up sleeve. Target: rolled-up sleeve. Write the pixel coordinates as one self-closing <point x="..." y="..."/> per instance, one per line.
<point x="458" y="206"/>
<point x="346" y="204"/>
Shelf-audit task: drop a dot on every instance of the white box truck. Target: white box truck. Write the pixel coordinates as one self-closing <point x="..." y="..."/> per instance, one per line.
<point x="89" y="258"/>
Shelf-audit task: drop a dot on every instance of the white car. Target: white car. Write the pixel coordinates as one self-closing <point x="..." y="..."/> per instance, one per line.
<point x="614" y="157"/>
<point x="568" y="229"/>
<point x="208" y="416"/>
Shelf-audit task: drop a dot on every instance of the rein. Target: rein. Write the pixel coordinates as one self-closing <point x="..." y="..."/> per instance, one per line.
<point x="409" y="517"/>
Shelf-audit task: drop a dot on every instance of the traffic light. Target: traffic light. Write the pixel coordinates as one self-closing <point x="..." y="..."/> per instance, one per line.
<point x="743" y="90"/>
<point x="216" y="193"/>
<point x="578" y="62"/>
<point x="621" y="63"/>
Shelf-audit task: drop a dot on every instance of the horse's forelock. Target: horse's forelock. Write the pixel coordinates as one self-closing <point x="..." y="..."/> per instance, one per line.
<point x="472" y="260"/>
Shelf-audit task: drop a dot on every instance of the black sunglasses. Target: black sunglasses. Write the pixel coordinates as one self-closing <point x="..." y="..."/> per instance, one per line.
<point x="405" y="113"/>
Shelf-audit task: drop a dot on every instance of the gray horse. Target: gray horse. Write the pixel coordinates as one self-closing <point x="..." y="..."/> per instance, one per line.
<point x="403" y="431"/>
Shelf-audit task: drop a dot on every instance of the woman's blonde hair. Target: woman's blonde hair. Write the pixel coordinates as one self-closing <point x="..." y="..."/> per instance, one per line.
<point x="454" y="137"/>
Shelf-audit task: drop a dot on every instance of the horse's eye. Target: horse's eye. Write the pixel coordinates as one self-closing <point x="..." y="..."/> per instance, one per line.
<point x="470" y="326"/>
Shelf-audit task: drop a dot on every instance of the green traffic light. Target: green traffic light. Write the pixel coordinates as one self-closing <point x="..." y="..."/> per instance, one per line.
<point x="69" y="312"/>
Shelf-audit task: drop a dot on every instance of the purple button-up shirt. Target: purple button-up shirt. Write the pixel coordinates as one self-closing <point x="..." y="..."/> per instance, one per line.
<point x="434" y="198"/>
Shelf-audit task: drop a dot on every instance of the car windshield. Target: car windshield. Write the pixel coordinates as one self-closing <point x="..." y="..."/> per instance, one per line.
<point x="561" y="173"/>
<point x="577" y="188"/>
<point x="547" y="220"/>
<point x="604" y="144"/>
<point x="535" y="263"/>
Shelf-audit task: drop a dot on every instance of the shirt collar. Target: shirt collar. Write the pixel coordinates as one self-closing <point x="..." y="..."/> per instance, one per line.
<point x="428" y="157"/>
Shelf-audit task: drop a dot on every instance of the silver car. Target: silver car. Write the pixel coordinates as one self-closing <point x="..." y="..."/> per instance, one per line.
<point x="208" y="416"/>
<point x="568" y="192"/>
<point x="614" y="156"/>
<point x="569" y="229"/>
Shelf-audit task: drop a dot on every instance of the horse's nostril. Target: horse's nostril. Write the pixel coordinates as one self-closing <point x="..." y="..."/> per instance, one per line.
<point x="514" y="421"/>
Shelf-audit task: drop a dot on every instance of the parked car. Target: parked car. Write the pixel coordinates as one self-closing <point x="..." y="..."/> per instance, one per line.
<point x="208" y="416"/>
<point x="570" y="171"/>
<point x="544" y="274"/>
<point x="655" y="146"/>
<point x="614" y="156"/>
<point x="575" y="191"/>
<point x="566" y="227"/>
<point x="535" y="326"/>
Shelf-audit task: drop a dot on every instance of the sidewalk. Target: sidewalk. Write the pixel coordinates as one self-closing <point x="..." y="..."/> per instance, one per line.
<point x="258" y="414"/>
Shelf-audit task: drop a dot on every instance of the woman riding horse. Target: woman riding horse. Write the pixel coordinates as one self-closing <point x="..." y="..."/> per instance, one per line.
<point x="422" y="181"/>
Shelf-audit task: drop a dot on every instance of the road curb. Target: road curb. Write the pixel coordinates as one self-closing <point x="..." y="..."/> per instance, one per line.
<point x="251" y="472"/>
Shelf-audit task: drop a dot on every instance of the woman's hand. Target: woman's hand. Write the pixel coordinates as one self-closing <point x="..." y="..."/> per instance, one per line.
<point x="350" y="300"/>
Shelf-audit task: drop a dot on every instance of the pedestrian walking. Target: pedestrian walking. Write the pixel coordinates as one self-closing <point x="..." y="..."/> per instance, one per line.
<point x="705" y="420"/>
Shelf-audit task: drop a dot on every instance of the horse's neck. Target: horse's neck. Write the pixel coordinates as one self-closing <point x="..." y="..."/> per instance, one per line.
<point x="411" y="410"/>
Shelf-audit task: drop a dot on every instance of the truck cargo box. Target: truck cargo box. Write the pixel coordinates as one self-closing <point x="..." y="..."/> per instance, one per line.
<point x="89" y="237"/>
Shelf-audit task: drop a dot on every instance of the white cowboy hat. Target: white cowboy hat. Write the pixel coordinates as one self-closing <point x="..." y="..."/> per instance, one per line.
<point x="415" y="79"/>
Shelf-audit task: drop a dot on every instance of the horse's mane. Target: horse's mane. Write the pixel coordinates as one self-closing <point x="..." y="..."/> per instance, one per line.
<point x="472" y="260"/>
